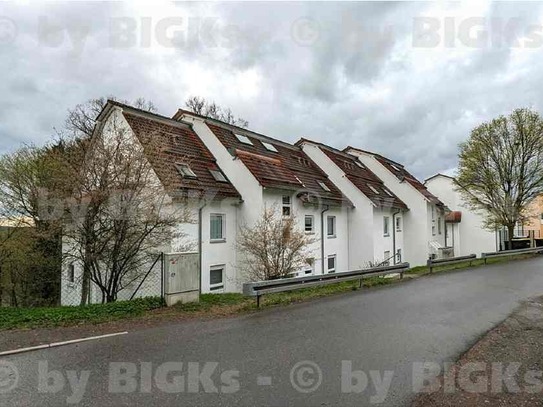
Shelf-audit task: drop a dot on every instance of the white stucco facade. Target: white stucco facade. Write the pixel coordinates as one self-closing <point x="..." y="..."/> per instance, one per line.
<point x="420" y="223"/>
<point x="468" y="236"/>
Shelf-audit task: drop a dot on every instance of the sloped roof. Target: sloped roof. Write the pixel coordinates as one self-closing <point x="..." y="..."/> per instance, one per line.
<point x="167" y="143"/>
<point x="361" y="177"/>
<point x="287" y="168"/>
<point x="402" y="174"/>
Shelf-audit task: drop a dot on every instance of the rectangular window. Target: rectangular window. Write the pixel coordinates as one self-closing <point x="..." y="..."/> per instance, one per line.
<point x="332" y="263"/>
<point x="309" y="223"/>
<point x="219" y="176"/>
<point x="399" y="256"/>
<point x="185" y="170"/>
<point x="439" y="225"/>
<point x="287" y="206"/>
<point x="386" y="258"/>
<point x="386" y="226"/>
<point x="398" y="224"/>
<point x="331" y="226"/>
<point x="71" y="273"/>
<point x="244" y="139"/>
<point x="217" y="227"/>
<point x="308" y="269"/>
<point x="269" y="147"/>
<point x="216" y="277"/>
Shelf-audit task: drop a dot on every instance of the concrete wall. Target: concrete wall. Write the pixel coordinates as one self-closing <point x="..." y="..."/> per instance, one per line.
<point x="468" y="236"/>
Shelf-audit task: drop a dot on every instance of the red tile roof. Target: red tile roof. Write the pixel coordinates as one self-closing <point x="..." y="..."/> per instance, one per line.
<point x="403" y="175"/>
<point x="288" y="168"/>
<point x="362" y="177"/>
<point x="168" y="142"/>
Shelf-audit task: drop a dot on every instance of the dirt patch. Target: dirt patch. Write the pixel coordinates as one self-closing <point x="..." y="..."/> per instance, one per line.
<point x="503" y="369"/>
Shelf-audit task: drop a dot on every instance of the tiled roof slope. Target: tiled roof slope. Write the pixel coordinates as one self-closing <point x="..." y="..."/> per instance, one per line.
<point x="403" y="175"/>
<point x="362" y="178"/>
<point x="288" y="168"/>
<point x="170" y="143"/>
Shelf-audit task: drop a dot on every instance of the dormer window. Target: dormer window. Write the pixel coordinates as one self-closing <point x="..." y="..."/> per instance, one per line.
<point x="185" y="170"/>
<point x="323" y="186"/>
<point x="243" y="139"/>
<point x="269" y="147"/>
<point x="373" y="189"/>
<point x="219" y="176"/>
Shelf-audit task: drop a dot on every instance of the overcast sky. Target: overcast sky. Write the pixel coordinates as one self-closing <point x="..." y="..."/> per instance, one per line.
<point x="406" y="79"/>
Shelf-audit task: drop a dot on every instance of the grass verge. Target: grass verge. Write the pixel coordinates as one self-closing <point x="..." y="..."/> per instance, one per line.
<point x="11" y="318"/>
<point x="209" y="305"/>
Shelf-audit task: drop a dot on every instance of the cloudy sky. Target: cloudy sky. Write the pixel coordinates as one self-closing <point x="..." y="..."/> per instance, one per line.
<point x="406" y="79"/>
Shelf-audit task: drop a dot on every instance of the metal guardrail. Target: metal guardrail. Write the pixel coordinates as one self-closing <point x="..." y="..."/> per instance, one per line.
<point x="257" y="289"/>
<point x="485" y="256"/>
<point x="453" y="260"/>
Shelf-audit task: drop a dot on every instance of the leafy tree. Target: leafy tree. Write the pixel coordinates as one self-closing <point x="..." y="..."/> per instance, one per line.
<point x="501" y="168"/>
<point x="203" y="107"/>
<point x="273" y="248"/>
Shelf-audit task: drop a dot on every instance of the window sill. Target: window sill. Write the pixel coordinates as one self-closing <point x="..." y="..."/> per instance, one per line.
<point x="331" y="237"/>
<point x="71" y="285"/>
<point x="388" y="235"/>
<point x="218" y="289"/>
<point x="331" y="271"/>
<point x="217" y="241"/>
<point x="309" y="233"/>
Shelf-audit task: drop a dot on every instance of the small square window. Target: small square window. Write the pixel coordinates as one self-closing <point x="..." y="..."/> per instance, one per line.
<point x="269" y="147"/>
<point x="287" y="205"/>
<point x="323" y="186"/>
<point x="217" y="227"/>
<point x="373" y="189"/>
<point x="332" y="263"/>
<point x="219" y="176"/>
<point x="216" y="277"/>
<point x="309" y="223"/>
<point x="386" y="224"/>
<point x="71" y="273"/>
<point x="331" y="226"/>
<point x="244" y="139"/>
<point x="185" y="170"/>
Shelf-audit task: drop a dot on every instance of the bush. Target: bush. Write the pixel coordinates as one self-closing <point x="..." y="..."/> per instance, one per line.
<point x="11" y="318"/>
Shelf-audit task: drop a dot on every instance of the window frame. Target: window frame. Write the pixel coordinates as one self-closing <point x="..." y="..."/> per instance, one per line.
<point x="328" y="258"/>
<point x="334" y="227"/>
<point x="243" y="139"/>
<point x="312" y="231"/>
<point x="386" y="258"/>
<point x="223" y="228"/>
<point x="214" y="174"/>
<point x="217" y="286"/>
<point x="398" y="225"/>
<point x="309" y="266"/>
<point x="375" y="191"/>
<point x="71" y="274"/>
<point x="286" y="205"/>
<point x="185" y="171"/>
<point x="323" y="186"/>
<point x="439" y="228"/>
<point x="386" y="226"/>
<point x="269" y="146"/>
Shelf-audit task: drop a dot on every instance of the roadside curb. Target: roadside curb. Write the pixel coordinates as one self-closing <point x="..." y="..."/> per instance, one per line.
<point x="57" y="344"/>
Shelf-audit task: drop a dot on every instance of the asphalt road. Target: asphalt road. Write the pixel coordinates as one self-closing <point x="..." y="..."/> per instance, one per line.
<point x="255" y="359"/>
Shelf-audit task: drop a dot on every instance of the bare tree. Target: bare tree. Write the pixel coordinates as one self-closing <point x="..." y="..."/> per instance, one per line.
<point x="123" y="214"/>
<point x="203" y="107"/>
<point x="501" y="168"/>
<point x="273" y="248"/>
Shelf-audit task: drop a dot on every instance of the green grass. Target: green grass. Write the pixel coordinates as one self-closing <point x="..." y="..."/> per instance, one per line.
<point x="11" y="318"/>
<point x="210" y="304"/>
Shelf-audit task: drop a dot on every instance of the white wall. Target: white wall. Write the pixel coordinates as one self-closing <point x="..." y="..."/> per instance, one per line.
<point x="469" y="235"/>
<point x="416" y="232"/>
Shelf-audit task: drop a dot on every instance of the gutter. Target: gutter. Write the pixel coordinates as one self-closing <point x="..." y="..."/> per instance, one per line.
<point x="322" y="236"/>
<point x="200" y="245"/>
<point x="394" y="235"/>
